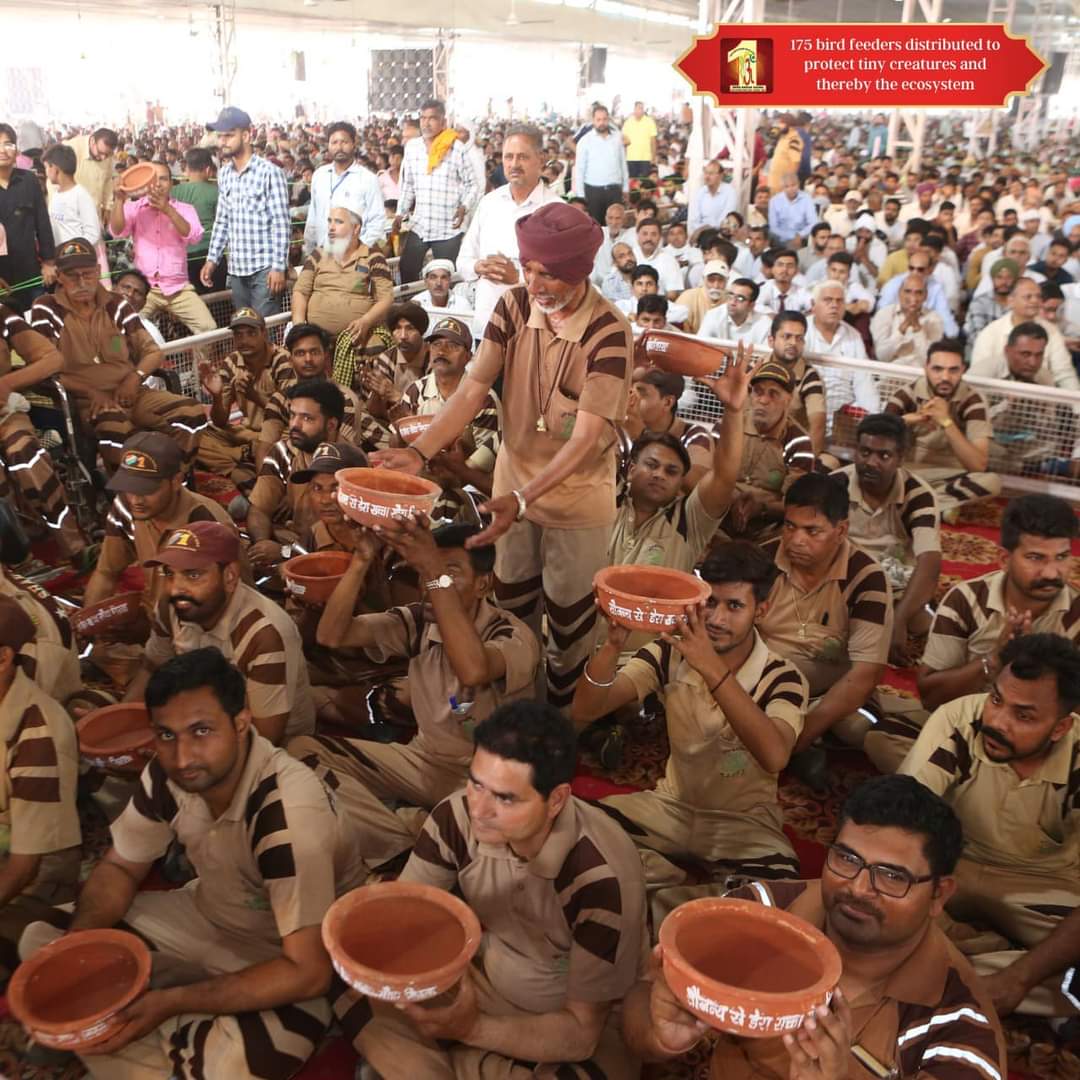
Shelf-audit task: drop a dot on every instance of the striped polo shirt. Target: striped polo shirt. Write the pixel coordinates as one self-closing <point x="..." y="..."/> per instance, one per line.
<point x="847" y="618"/>
<point x="967" y="408"/>
<point x="971" y="617"/>
<point x="773" y="460"/>
<point x="567" y="924"/>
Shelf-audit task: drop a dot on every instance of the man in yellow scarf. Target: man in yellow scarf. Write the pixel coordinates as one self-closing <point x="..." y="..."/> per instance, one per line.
<point x="438" y="188"/>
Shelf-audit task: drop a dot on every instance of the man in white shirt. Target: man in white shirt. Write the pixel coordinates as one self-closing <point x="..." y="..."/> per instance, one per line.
<point x="441" y="297"/>
<point x="489" y="252"/>
<point x="343" y="177"/>
<point x="904" y="331"/>
<point x="858" y="300"/>
<point x="601" y="176"/>
<point x="615" y="232"/>
<point x="737" y="320"/>
<point x="648" y="253"/>
<point x="814" y="251"/>
<point x="828" y="335"/>
<point x="618" y="282"/>
<point x="780" y="293"/>
<point x="842" y="218"/>
<point x="1025" y="304"/>
<point x="712" y="203"/>
<point x="888" y="221"/>
<point x="678" y="247"/>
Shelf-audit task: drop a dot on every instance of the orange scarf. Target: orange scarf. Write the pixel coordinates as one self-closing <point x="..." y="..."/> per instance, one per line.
<point x="440" y="147"/>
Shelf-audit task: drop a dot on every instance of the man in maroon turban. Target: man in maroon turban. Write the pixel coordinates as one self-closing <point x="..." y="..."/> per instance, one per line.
<point x="565" y="356"/>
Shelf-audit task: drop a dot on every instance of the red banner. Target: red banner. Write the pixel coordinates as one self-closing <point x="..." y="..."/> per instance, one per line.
<point x="865" y="65"/>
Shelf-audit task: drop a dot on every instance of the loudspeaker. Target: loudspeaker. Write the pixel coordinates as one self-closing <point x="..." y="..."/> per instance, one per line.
<point x="1051" y="83"/>
<point x="400" y="79"/>
<point x="299" y="71"/>
<point x="597" y="64"/>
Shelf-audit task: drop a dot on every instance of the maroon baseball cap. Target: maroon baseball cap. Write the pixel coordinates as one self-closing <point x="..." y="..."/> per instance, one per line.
<point x="200" y="544"/>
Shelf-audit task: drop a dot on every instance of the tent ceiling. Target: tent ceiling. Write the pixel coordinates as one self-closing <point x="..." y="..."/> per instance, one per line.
<point x="568" y="21"/>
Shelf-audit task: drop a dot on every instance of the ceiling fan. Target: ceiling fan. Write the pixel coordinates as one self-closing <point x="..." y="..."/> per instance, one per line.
<point x="512" y="19"/>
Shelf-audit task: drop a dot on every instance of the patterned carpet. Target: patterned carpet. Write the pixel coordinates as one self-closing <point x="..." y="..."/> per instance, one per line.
<point x="970" y="549"/>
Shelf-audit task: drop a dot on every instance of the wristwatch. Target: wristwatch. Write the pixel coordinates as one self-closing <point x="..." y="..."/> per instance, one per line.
<point x="443" y="581"/>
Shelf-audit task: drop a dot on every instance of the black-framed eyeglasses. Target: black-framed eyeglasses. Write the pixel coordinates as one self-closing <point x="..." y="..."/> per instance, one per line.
<point x="892" y="881"/>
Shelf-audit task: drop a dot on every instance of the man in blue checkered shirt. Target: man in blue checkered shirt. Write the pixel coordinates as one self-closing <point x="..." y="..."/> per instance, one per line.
<point x="252" y="219"/>
<point x="439" y="186"/>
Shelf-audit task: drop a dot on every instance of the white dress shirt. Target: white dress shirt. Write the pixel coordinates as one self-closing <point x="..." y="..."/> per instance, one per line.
<point x="988" y="355"/>
<point x="908" y="347"/>
<point x="710" y="208"/>
<point x="718" y="326"/>
<point x="797" y="299"/>
<point x="843" y="387"/>
<point x="358" y="189"/>
<point x="602" y="263"/>
<point x="457" y="304"/>
<point x="672" y="279"/>
<point x="492" y="232"/>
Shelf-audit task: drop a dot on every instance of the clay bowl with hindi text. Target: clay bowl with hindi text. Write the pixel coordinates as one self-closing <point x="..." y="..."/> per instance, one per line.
<point x="135" y="180"/>
<point x="108" y="615"/>
<point x="400" y="942"/>
<point x="649" y="598"/>
<point x="746" y="968"/>
<point x="682" y="354"/>
<point x="312" y="578"/>
<point x="410" y="428"/>
<point x="375" y="496"/>
<point x="69" y="993"/>
<point x="117" y="737"/>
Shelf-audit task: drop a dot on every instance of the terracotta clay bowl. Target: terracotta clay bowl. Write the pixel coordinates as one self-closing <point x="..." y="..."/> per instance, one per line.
<point x="410" y="428"/>
<point x="136" y="179"/>
<point x="374" y="496"/>
<point x="681" y="354"/>
<point x="745" y="968"/>
<point x="649" y="598"/>
<point x="117" y="737"/>
<point x="400" y="942"/>
<point x="112" y="613"/>
<point x="312" y="578"/>
<point x="68" y="993"/>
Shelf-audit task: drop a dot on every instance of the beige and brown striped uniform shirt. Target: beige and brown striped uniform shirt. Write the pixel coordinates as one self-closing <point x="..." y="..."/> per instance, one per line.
<point x="971" y="617"/>
<point x="809" y="398"/>
<point x="1030" y="824"/>
<point x="905" y="526"/>
<point x="280" y="500"/>
<point x="566" y="925"/>
<point x="278" y="375"/>
<point x="848" y="618"/>
<point x="773" y="461"/>
<point x="275" y="421"/>
<point x="709" y="767"/>
<point x="932" y="1020"/>
<point x="341" y="292"/>
<point x="261" y="640"/>
<point x="968" y="411"/>
<point x="585" y="367"/>
<point x="39" y="770"/>
<point x="269" y="865"/>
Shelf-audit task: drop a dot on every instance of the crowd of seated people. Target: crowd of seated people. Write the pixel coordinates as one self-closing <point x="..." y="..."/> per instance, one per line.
<point x="424" y="723"/>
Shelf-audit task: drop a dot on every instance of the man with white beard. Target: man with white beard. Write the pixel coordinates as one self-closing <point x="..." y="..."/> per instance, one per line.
<point x="343" y="284"/>
<point x="711" y="294"/>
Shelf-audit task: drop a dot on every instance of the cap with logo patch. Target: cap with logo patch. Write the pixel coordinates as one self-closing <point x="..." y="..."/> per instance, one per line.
<point x="146" y="459"/>
<point x="453" y="330"/>
<point x="774" y="371"/>
<point x="229" y="119"/>
<point x="198" y="545"/>
<point x="329" y="458"/>
<point x="75" y="253"/>
<point x="247" y="316"/>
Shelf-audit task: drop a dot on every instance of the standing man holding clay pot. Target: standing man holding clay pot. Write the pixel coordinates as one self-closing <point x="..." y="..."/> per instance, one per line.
<point x="565" y="356"/>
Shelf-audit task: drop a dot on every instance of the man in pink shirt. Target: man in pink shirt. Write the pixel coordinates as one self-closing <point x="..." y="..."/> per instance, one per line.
<point x="162" y="230"/>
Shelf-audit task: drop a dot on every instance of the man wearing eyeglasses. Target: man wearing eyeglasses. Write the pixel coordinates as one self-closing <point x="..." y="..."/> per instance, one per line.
<point x="908" y="1003"/>
<point x="1007" y="761"/>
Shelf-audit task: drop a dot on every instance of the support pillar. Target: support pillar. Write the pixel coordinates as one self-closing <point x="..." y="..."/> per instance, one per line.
<point x="907" y="127"/>
<point x="223" y="15"/>
<point x="440" y="68"/>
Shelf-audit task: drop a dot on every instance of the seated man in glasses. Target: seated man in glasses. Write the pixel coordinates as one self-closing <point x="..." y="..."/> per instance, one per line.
<point x="908" y="1003"/>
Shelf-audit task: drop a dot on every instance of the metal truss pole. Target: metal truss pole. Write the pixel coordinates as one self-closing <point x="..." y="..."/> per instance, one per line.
<point x="907" y="127"/>
<point x="224" y="20"/>
<point x="1031" y="110"/>
<point x="716" y="130"/>
<point x="984" y="122"/>
<point x="440" y="68"/>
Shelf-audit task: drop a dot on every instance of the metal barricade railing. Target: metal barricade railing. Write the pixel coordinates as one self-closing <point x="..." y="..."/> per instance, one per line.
<point x="1036" y="432"/>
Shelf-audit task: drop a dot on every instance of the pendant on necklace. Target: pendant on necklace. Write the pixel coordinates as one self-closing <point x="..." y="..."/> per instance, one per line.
<point x="540" y="425"/>
<point x="802" y="633"/>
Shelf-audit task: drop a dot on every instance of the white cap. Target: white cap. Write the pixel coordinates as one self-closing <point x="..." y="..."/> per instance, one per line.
<point x="1030" y="214"/>
<point x="716" y="266"/>
<point x="439" y="264"/>
<point x="864" y="221"/>
<point x="853" y="194"/>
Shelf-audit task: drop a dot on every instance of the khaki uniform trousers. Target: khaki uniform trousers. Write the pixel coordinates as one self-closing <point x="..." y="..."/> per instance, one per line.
<point x="186" y="306"/>
<point x="1023" y="908"/>
<point x="181" y="418"/>
<point x="394" y="1048"/>
<point x="269" y="1045"/>
<point x="224" y="451"/>
<point x="546" y="571"/>
<point x="887" y="743"/>
<point x="361" y="774"/>
<point x="953" y="488"/>
<point x="30" y="471"/>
